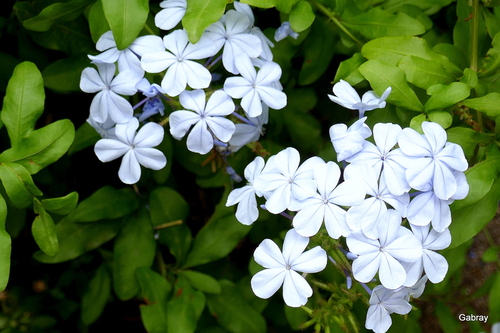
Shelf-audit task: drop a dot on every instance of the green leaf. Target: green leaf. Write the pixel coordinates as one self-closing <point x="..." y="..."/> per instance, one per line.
<point x="491" y="254"/>
<point x="382" y="76"/>
<point x="200" y="14"/>
<point x="96" y="295"/>
<point x="76" y="239"/>
<point x="301" y="16"/>
<point x="134" y="247"/>
<point x="468" y="221"/>
<point x="428" y="6"/>
<point x="494" y="300"/>
<point x="444" y="96"/>
<point x="154" y="291"/>
<point x="5" y="247"/>
<point x="44" y="230"/>
<point x="64" y="75"/>
<point x="378" y="23"/>
<point x="467" y="138"/>
<point x="85" y="136"/>
<point x="469" y="78"/>
<point x="319" y="48"/>
<point x="416" y="122"/>
<point x="23" y="102"/>
<point x="234" y="313"/>
<point x="489" y="104"/>
<point x="202" y="282"/>
<point x="167" y="207"/>
<point x="105" y="203"/>
<point x="43" y="147"/>
<point x="391" y="50"/>
<point x="97" y="21"/>
<point x="424" y="73"/>
<point x="260" y="3"/>
<point x="63" y="205"/>
<point x="348" y="70"/>
<point x="18" y="184"/>
<point x="185" y="308"/>
<point x="443" y="118"/>
<point x="126" y="19"/>
<point x="56" y="12"/>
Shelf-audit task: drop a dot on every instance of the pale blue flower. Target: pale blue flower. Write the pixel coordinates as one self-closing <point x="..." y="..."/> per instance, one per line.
<point x="383" y="302"/>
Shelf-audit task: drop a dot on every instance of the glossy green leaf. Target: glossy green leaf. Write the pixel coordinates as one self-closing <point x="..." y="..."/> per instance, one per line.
<point x="23" y="102"/>
<point x="260" y="3"/>
<point x="200" y="14"/>
<point x="96" y="295"/>
<point x="18" y="184"/>
<point x="382" y="76"/>
<point x="348" y="70"/>
<point x="491" y="254"/>
<point x="44" y="230"/>
<point x="58" y="11"/>
<point x="233" y="312"/>
<point x="444" y="96"/>
<point x="424" y="73"/>
<point x="64" y="75"/>
<point x="202" y="282"/>
<point x="5" y="247"/>
<point x="489" y="104"/>
<point x="428" y="6"/>
<point x="168" y="211"/>
<point x="105" y="203"/>
<point x="97" y="21"/>
<point x="468" y="221"/>
<point x="416" y="122"/>
<point x="467" y="138"/>
<point x="319" y="49"/>
<point x="378" y="23"/>
<point x="126" y="19"/>
<point x="76" y="239"/>
<point x="469" y="78"/>
<point x="154" y="291"/>
<point x="185" y="308"/>
<point x="42" y="147"/>
<point x="443" y="118"/>
<point x="134" y="247"/>
<point x="62" y="205"/>
<point x="301" y="16"/>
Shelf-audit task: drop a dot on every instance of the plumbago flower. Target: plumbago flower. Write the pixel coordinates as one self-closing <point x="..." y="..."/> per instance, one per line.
<point x="383" y="302"/>
<point x="250" y="130"/>
<point x="281" y="268"/>
<point x="129" y="58"/>
<point x="208" y="119"/>
<point x="178" y="60"/>
<point x="107" y="102"/>
<point x="254" y="88"/>
<point x="347" y="97"/>
<point x="172" y="13"/>
<point x="284" y="31"/>
<point x="349" y="141"/>
<point x="136" y="149"/>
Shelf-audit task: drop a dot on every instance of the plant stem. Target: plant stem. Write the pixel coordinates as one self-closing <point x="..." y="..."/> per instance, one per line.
<point x="474" y="45"/>
<point x="331" y="15"/>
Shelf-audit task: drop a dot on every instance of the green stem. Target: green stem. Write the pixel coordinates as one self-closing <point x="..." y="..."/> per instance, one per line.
<point x="474" y="45"/>
<point x="331" y="15"/>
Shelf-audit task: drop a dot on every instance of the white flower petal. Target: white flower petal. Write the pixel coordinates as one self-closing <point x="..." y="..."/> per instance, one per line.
<point x="130" y="170"/>
<point x="150" y="158"/>
<point x="268" y="255"/>
<point x="109" y="150"/>
<point x="296" y="290"/>
<point x="265" y="283"/>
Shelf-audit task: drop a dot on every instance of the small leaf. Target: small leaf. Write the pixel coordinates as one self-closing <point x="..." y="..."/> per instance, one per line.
<point x="491" y="254"/>
<point x="96" y="295"/>
<point x="18" y="184"/>
<point x="64" y="74"/>
<point x="444" y="96"/>
<point x="185" y="308"/>
<point x="63" y="205"/>
<point x="469" y="78"/>
<point x="443" y="118"/>
<point x="126" y="19"/>
<point x="23" y="102"/>
<point x="44" y="230"/>
<point x="260" y="3"/>
<point x="301" y="16"/>
<point x="97" y="21"/>
<point x="200" y="14"/>
<point x="424" y="73"/>
<point x="348" y="70"/>
<point x="382" y="76"/>
<point x="55" y="12"/>
<point x="105" y="203"/>
<point x="202" y="282"/>
<point x="5" y="247"/>
<point x="416" y="122"/>
<point x="489" y="104"/>
<point x="134" y="247"/>
<point x="467" y="138"/>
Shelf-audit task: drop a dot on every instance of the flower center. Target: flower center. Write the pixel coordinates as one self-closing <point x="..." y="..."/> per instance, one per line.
<point x="288" y="267"/>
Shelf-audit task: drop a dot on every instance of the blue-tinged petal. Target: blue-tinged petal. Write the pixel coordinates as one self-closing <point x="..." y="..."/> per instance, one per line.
<point x="462" y="186"/>
<point x="442" y="216"/>
<point x="311" y="261"/>
<point x="254" y="169"/>
<point x="443" y="181"/>
<point x="453" y="156"/>
<point x="200" y="139"/>
<point x="221" y="127"/>
<point x="108" y="150"/>
<point x="435" y="135"/>
<point x="147" y="44"/>
<point x="106" y="41"/>
<point x="420" y="173"/>
<point x="118" y="108"/>
<point x="157" y="62"/>
<point x="397" y="304"/>
<point x="272" y="97"/>
<point x="181" y="121"/>
<point x="245" y="44"/>
<point x="388" y="227"/>
<point x="197" y="76"/>
<point x="219" y="104"/>
<point x="386" y="136"/>
<point x="126" y="131"/>
<point x="269" y="255"/>
<point x="405" y="248"/>
<point x="172" y="13"/>
<point x="246" y="69"/>
<point x="346" y="95"/>
<point x="293" y="246"/>
<point x="193" y="100"/>
<point x="437" y="240"/>
<point x="435" y="266"/>
<point x="109" y="56"/>
<point x="175" y="80"/>
<point x="130" y="170"/>
<point x="150" y="158"/>
<point x="391" y="273"/>
<point x="296" y="290"/>
<point x="413" y="144"/>
<point x="366" y="266"/>
<point x="243" y="134"/>
<point x="335" y="222"/>
<point x="378" y="319"/>
<point x="270" y="181"/>
<point x="309" y="219"/>
<point x="124" y="83"/>
<point x="265" y="283"/>
<point x="99" y="107"/>
<point x="327" y="177"/>
<point x="237" y="87"/>
<point x="251" y="103"/>
<point x="393" y="175"/>
<point x="91" y="81"/>
<point x="128" y="60"/>
<point x="349" y="193"/>
<point x="150" y="135"/>
<point x="364" y="173"/>
<point x="413" y="272"/>
<point x="361" y="245"/>
<point x="422" y="208"/>
<point x="269" y="73"/>
<point x="247" y="211"/>
<point x="236" y="22"/>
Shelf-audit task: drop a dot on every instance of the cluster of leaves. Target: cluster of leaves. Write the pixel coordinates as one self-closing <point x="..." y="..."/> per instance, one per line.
<point x="169" y="244"/>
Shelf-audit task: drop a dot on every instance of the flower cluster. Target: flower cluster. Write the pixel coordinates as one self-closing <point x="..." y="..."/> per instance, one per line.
<point x="251" y="78"/>
<point x="402" y="175"/>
